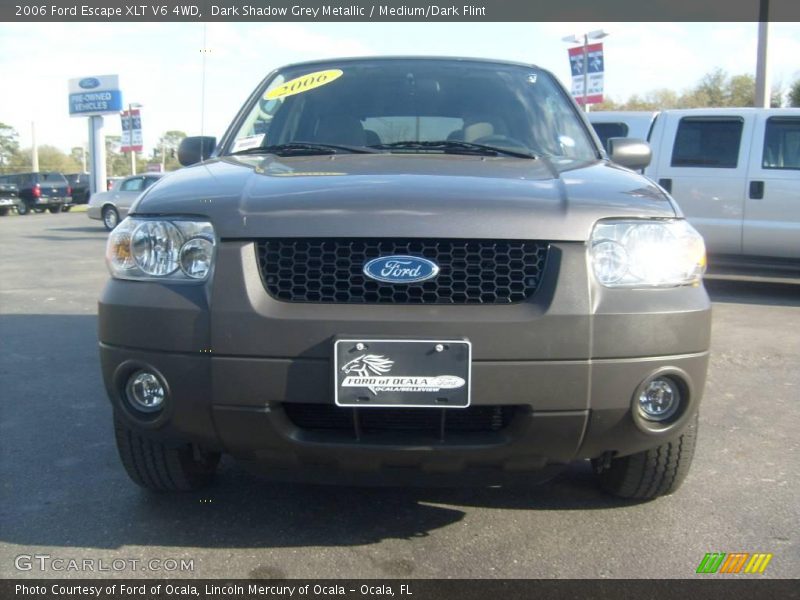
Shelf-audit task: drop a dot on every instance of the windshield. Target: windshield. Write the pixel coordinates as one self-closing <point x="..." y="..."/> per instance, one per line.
<point x="52" y="178"/>
<point x="375" y="103"/>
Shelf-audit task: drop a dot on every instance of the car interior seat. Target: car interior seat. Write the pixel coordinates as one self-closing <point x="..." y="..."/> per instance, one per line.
<point x="340" y="129"/>
<point x="477" y="126"/>
<point x="372" y="138"/>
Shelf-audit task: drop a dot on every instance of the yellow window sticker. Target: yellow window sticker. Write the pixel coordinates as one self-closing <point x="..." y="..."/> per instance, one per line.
<point x="305" y="83"/>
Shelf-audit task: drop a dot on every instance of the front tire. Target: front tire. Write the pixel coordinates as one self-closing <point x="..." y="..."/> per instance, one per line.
<point x="3" y="211"/>
<point x="163" y="468"/>
<point x="110" y="217"/>
<point x="656" y="472"/>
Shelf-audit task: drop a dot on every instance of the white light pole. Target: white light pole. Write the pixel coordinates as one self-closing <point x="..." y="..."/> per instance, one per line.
<point x="584" y="39"/>
<point x="97" y="151"/>
<point x="34" y="149"/>
<point x="762" y="72"/>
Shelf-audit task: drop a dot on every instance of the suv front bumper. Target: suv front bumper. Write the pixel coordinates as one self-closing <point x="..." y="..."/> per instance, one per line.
<point x="571" y="359"/>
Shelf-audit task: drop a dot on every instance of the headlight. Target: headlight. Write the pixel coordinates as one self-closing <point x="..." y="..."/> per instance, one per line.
<point x="647" y="253"/>
<point x="161" y="249"/>
<point x="155" y="246"/>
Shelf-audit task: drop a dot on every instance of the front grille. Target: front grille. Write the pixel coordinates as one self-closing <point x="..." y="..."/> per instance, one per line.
<point x="471" y="272"/>
<point x="327" y="417"/>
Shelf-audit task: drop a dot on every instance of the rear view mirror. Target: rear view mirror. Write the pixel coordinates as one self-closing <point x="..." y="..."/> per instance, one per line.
<point x="196" y="149"/>
<point x="629" y="152"/>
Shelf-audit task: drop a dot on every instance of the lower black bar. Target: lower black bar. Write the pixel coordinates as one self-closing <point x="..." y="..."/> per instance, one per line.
<point x="710" y="588"/>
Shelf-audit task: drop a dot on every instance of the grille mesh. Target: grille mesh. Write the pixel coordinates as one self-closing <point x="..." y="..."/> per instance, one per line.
<point x="472" y="419"/>
<point x="471" y="272"/>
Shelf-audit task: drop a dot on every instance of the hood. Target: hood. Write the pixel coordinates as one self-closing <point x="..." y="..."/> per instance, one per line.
<point x="404" y="195"/>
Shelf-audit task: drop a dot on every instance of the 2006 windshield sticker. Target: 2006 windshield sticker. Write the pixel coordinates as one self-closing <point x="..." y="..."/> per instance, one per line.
<point x="305" y="83"/>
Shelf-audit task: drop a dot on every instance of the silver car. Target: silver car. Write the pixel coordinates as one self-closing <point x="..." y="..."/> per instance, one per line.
<point x="113" y="205"/>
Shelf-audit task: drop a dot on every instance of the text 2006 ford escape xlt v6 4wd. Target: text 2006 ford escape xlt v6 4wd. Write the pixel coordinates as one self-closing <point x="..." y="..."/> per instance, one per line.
<point x="406" y="269"/>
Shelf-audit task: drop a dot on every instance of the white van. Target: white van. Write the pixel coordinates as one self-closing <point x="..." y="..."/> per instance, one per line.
<point x="735" y="172"/>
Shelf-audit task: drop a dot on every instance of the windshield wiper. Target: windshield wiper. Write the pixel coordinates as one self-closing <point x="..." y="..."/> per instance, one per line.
<point x="308" y="148"/>
<point x="455" y="147"/>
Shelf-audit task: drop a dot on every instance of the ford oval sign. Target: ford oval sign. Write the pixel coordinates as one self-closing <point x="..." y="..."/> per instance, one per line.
<point x="401" y="269"/>
<point x="89" y="83"/>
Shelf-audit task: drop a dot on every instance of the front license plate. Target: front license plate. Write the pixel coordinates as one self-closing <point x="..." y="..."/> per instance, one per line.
<point x="396" y="373"/>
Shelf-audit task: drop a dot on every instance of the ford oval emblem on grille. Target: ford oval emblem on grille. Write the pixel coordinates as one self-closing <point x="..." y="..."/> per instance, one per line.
<point x="89" y="83"/>
<point x="401" y="269"/>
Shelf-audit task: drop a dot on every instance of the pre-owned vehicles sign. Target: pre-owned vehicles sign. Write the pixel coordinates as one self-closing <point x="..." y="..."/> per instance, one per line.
<point x="98" y="95"/>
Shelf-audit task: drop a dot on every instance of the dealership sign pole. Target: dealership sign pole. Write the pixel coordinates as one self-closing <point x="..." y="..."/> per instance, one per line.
<point x="587" y="73"/>
<point x="587" y="66"/>
<point x="132" y="133"/>
<point x="94" y="97"/>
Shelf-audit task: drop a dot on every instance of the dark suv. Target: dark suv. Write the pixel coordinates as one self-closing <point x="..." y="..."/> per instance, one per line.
<point x="9" y="197"/>
<point x="407" y="270"/>
<point x="40" y="191"/>
<point x="79" y="183"/>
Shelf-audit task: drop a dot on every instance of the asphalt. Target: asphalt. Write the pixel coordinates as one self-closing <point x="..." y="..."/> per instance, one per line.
<point x="63" y="492"/>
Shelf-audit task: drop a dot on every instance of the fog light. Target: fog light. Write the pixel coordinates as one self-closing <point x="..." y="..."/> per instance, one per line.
<point x="659" y="399"/>
<point x="145" y="392"/>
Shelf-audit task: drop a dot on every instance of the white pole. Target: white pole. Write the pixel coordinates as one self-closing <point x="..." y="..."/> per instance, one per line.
<point x="130" y="139"/>
<point x="203" y="85"/>
<point x="34" y="149"/>
<point x="92" y="151"/>
<point x="586" y="72"/>
<point x="97" y="149"/>
<point x="762" y="66"/>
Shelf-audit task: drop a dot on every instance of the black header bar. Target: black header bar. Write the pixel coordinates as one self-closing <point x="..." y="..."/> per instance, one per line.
<point x="397" y="10"/>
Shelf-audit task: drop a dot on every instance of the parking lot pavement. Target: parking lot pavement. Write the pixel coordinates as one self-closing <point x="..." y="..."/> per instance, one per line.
<point x="65" y="494"/>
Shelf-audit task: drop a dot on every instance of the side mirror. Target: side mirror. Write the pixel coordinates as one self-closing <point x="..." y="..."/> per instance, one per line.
<point x="629" y="152"/>
<point x="196" y="149"/>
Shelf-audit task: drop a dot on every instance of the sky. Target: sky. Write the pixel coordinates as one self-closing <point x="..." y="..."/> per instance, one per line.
<point x="160" y="65"/>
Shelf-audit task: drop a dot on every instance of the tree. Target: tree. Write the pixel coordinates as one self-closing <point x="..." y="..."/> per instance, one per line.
<point x="741" y="90"/>
<point x="663" y="98"/>
<point x="9" y="144"/>
<point x="606" y="104"/>
<point x="794" y="94"/>
<point x="168" y="144"/>
<point x="776" y="96"/>
<point x="76" y="154"/>
<point x="715" y="89"/>
<point x="117" y="163"/>
<point x="637" y="102"/>
<point x="50" y="159"/>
